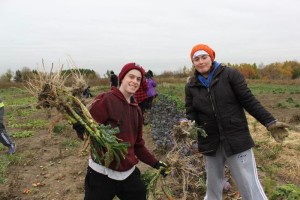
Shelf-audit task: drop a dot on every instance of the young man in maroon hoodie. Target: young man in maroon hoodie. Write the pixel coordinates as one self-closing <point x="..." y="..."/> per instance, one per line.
<point x="119" y="109"/>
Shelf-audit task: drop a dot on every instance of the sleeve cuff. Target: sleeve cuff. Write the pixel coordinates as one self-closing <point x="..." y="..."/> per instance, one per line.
<point x="270" y="123"/>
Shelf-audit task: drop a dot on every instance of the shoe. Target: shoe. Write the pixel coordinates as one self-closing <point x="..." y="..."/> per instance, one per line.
<point x="12" y="149"/>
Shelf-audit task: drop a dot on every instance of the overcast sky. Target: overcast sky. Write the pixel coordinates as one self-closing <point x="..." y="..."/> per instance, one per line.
<point x="157" y="34"/>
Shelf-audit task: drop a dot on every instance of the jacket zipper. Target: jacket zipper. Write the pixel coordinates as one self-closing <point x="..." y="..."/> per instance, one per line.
<point x="211" y="101"/>
<point x="214" y="110"/>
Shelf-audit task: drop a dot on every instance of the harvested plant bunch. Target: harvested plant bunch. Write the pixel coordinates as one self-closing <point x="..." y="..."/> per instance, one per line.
<point x="187" y="163"/>
<point x="186" y="167"/>
<point x="177" y="139"/>
<point x="151" y="178"/>
<point x="51" y="92"/>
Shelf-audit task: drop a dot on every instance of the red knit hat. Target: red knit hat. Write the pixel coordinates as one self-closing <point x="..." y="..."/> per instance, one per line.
<point x="205" y="48"/>
<point x="129" y="66"/>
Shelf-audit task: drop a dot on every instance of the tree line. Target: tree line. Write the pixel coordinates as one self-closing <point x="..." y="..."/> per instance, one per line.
<point x="287" y="70"/>
<point x="278" y="71"/>
<point x="26" y="74"/>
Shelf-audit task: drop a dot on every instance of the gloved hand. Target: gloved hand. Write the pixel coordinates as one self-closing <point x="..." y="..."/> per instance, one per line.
<point x="278" y="130"/>
<point x="80" y="130"/>
<point x="163" y="168"/>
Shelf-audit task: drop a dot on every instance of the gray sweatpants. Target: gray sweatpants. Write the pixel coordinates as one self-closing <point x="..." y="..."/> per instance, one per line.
<point x="243" y="169"/>
<point x="4" y="137"/>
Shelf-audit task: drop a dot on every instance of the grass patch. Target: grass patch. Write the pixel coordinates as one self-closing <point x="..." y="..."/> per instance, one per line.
<point x="4" y="163"/>
<point x="269" y="184"/>
<point x="288" y="192"/>
<point x="22" y="134"/>
<point x="31" y="124"/>
<point x="70" y="143"/>
<point x="26" y="112"/>
<point x="288" y="103"/>
<point x="59" y="128"/>
<point x="268" y="88"/>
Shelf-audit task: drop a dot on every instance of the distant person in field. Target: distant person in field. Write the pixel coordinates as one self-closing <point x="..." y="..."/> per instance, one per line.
<point x="151" y="92"/>
<point x="119" y="109"/>
<point x="87" y="92"/>
<point x="216" y="97"/>
<point x="113" y="79"/>
<point x="141" y="96"/>
<point x="4" y="137"/>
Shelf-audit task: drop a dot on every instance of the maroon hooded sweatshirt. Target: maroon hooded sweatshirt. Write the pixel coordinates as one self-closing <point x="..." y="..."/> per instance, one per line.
<point x="111" y="108"/>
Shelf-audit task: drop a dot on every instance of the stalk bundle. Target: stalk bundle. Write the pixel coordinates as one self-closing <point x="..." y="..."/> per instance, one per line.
<point x="51" y="92"/>
<point x="152" y="179"/>
<point x="187" y="167"/>
<point x="187" y="163"/>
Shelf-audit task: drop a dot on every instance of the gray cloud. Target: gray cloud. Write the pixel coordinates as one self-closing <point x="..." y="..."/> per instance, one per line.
<point x="156" y="34"/>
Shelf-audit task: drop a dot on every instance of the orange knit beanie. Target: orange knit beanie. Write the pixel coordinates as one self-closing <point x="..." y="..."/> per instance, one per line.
<point x="205" y="48"/>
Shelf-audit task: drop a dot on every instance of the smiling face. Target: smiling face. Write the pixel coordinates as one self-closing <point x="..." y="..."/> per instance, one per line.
<point x="203" y="64"/>
<point x="130" y="83"/>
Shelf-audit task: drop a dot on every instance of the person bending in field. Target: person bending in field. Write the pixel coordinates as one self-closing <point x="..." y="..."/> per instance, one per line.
<point x="119" y="109"/>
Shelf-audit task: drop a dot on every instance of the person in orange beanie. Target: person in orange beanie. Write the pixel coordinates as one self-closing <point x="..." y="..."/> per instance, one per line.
<point x="215" y="98"/>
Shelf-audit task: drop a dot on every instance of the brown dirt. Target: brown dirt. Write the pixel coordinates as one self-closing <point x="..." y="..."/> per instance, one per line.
<point x="283" y="114"/>
<point x="57" y="171"/>
<point x="49" y="170"/>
